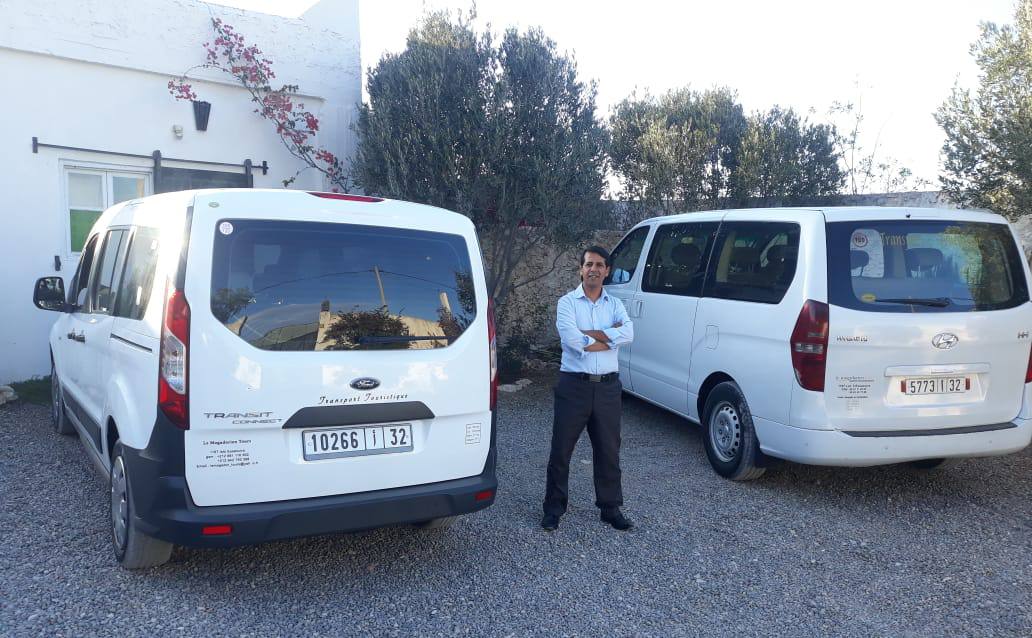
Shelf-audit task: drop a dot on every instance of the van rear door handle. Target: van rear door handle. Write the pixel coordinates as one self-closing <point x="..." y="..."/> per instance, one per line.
<point x="638" y="306"/>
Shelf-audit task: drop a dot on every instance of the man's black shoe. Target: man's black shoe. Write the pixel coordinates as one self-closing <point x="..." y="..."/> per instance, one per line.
<point x="550" y="522"/>
<point x="616" y="518"/>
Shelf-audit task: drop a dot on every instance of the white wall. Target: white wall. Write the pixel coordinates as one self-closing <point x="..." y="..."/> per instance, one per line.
<point x="93" y="74"/>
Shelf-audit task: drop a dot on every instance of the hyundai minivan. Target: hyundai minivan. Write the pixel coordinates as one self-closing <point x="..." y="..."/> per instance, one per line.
<point x="831" y="336"/>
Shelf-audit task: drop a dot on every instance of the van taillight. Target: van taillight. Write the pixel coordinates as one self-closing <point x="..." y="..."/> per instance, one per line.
<point x="173" y="388"/>
<point x="493" y="347"/>
<point x="810" y="345"/>
<point x="1028" y="371"/>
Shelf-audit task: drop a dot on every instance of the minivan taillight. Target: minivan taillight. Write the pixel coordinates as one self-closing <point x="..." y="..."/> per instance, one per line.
<point x="1028" y="371"/>
<point x="492" y="341"/>
<point x="173" y="388"/>
<point x="810" y="345"/>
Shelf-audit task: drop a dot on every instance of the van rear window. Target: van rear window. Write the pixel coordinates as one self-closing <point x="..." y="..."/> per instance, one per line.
<point x="301" y="286"/>
<point x="924" y="266"/>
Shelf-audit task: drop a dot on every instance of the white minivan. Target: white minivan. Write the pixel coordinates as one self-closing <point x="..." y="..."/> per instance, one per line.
<point x="833" y="336"/>
<point x="248" y="365"/>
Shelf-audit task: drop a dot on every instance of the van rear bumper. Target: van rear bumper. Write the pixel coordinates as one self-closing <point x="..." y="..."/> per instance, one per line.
<point x="835" y="447"/>
<point x="163" y="508"/>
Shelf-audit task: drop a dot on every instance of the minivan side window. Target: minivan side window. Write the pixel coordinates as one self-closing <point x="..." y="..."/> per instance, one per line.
<point x="138" y="278"/>
<point x="105" y="280"/>
<point x="756" y="261"/>
<point x="677" y="259"/>
<point x="81" y="278"/>
<point x="624" y="258"/>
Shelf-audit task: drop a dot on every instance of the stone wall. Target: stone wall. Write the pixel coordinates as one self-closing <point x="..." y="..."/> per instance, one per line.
<point x="530" y="309"/>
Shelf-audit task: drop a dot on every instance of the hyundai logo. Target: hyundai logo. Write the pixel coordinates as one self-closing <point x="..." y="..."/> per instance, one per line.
<point x="945" y="340"/>
<point x="369" y="383"/>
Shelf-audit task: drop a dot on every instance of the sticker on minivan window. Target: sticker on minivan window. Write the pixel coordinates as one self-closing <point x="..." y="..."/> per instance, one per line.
<point x="859" y="239"/>
<point x="226" y="228"/>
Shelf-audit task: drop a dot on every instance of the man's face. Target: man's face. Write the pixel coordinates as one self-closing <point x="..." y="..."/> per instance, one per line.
<point x="593" y="270"/>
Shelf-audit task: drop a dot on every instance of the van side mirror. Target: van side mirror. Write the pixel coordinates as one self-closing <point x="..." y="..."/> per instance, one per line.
<point x="49" y="294"/>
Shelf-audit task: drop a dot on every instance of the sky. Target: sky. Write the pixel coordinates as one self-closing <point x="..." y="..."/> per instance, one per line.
<point x="899" y="59"/>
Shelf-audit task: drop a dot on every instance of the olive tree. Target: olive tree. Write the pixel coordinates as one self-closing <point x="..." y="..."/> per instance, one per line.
<point x="987" y="156"/>
<point x="503" y="132"/>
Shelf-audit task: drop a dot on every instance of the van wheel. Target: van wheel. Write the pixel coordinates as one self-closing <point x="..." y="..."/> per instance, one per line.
<point x="731" y="444"/>
<point x="133" y="548"/>
<point x="57" y="407"/>
<point x="438" y="523"/>
<point x="927" y="464"/>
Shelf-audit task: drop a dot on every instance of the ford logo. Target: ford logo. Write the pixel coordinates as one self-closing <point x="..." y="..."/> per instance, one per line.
<point x="365" y="383"/>
<point x="945" y="340"/>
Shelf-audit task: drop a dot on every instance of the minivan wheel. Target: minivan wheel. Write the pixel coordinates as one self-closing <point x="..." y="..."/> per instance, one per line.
<point x="57" y="408"/>
<point x="731" y="444"/>
<point x="133" y="548"/>
<point x="437" y="523"/>
<point x="926" y="464"/>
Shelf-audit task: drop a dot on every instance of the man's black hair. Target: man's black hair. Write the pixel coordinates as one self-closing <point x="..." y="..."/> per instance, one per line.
<point x="598" y="250"/>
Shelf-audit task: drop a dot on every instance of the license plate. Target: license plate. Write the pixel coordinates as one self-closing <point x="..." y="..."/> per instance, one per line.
<point x="340" y="442"/>
<point x="935" y="385"/>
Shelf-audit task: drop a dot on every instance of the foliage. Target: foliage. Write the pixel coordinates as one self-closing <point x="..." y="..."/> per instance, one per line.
<point x="678" y="152"/>
<point x="348" y="328"/>
<point x="503" y="133"/>
<point x="690" y="150"/>
<point x="988" y="149"/>
<point x="295" y="126"/>
<point x="35" y="390"/>
<point x="783" y="156"/>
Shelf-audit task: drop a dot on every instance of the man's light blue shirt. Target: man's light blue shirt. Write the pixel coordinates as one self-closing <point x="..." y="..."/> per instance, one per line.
<point x="576" y="312"/>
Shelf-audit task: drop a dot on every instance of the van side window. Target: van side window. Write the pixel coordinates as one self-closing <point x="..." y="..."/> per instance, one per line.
<point x="624" y="259"/>
<point x="138" y="279"/>
<point x="105" y="280"/>
<point x="677" y="260"/>
<point x="756" y="262"/>
<point x="82" y="274"/>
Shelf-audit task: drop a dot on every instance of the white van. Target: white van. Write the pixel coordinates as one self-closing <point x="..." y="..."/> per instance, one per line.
<point x="836" y="336"/>
<point x="248" y="365"/>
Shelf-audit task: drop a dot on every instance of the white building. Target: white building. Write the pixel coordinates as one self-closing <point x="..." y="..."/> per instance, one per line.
<point x="86" y="105"/>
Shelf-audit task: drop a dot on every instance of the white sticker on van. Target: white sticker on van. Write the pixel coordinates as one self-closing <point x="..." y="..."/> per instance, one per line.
<point x="226" y="453"/>
<point x="472" y="433"/>
<point x="854" y="387"/>
<point x="226" y="228"/>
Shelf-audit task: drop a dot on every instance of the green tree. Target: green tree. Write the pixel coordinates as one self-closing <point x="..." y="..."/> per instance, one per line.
<point x="783" y="156"/>
<point x="504" y="133"/>
<point x="678" y="152"/>
<point x="987" y="156"/>
<point x="690" y="150"/>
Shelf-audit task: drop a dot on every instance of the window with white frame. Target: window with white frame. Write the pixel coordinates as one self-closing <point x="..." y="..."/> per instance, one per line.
<point x="90" y="190"/>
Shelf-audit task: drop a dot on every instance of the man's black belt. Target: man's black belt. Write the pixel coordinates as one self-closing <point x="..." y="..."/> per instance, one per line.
<point x="594" y="378"/>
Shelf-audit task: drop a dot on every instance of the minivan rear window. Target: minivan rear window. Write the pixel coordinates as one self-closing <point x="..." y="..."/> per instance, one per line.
<point x="924" y="266"/>
<point x="311" y="286"/>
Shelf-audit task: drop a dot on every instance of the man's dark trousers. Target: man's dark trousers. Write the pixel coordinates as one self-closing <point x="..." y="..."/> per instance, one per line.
<point x="579" y="404"/>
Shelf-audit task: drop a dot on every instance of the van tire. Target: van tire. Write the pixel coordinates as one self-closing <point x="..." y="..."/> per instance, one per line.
<point x="133" y="548"/>
<point x="926" y="464"/>
<point x="728" y="434"/>
<point x="58" y="417"/>
<point x="444" y="522"/>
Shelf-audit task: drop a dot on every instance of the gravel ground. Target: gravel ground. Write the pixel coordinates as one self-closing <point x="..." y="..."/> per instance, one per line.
<point x="803" y="551"/>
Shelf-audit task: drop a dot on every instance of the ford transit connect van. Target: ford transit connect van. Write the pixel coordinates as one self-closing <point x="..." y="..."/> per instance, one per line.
<point x="837" y="336"/>
<point x="248" y="365"/>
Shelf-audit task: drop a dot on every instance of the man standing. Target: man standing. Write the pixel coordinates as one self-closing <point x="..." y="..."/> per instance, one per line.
<point x="592" y="324"/>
